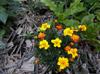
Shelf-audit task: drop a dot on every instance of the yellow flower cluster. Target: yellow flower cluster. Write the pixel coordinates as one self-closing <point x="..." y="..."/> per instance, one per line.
<point x="63" y="62"/>
<point x="69" y="31"/>
<point x="44" y="43"/>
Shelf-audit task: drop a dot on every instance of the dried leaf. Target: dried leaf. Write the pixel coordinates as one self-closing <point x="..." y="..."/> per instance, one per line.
<point x="28" y="66"/>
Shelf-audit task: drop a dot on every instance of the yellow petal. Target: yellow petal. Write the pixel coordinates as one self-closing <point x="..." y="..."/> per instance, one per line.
<point x="52" y="41"/>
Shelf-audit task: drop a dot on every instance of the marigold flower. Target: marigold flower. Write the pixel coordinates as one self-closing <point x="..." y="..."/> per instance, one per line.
<point x="82" y="27"/>
<point x="67" y="48"/>
<point x="41" y="35"/>
<point x="75" y="38"/>
<point x="63" y="62"/>
<point x="44" y="44"/>
<point x="73" y="52"/>
<point x="59" y="27"/>
<point x="68" y="32"/>
<point x="44" y="27"/>
<point x="57" y="42"/>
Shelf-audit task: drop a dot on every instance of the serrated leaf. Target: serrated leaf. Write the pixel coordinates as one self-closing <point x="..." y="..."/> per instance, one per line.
<point x="75" y="7"/>
<point x="50" y="4"/>
<point x="3" y="15"/>
<point x="56" y="8"/>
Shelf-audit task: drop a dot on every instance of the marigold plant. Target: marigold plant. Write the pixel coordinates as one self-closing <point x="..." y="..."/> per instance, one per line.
<point x="66" y="29"/>
<point x="57" y="45"/>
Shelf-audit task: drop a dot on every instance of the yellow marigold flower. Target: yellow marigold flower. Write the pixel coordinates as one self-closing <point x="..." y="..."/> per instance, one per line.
<point x="82" y="27"/>
<point x="73" y="52"/>
<point x="44" y="27"/>
<point x="43" y="44"/>
<point x="57" y="42"/>
<point x="68" y="32"/>
<point x="63" y="62"/>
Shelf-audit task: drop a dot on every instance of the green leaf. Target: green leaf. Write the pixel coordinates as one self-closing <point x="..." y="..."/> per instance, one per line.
<point x="90" y="1"/>
<point x="75" y="7"/>
<point x="3" y="2"/>
<point x="98" y="14"/>
<point x="88" y="19"/>
<point x="56" y="8"/>
<point x="96" y="5"/>
<point x="3" y="15"/>
<point x="71" y="22"/>
<point x="51" y="5"/>
<point x="2" y="32"/>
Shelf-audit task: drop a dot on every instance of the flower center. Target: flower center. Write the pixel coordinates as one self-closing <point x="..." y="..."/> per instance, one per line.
<point x="63" y="62"/>
<point x="56" y="42"/>
<point x="45" y="26"/>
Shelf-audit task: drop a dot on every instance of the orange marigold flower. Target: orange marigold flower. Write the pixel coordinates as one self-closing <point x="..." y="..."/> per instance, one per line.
<point x="75" y="38"/>
<point x="41" y="35"/>
<point x="59" y="27"/>
<point x="67" y="48"/>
